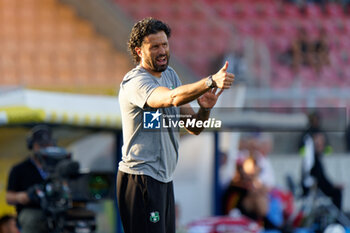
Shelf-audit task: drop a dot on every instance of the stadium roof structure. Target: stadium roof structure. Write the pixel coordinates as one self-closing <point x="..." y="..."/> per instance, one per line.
<point x="20" y="106"/>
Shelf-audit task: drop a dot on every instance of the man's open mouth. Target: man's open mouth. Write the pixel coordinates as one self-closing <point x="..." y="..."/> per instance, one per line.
<point x="161" y="60"/>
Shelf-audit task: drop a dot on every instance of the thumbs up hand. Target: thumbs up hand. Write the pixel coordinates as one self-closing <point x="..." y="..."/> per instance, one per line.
<point x="222" y="78"/>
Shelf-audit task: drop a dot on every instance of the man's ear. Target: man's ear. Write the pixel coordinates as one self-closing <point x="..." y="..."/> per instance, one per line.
<point x="138" y="51"/>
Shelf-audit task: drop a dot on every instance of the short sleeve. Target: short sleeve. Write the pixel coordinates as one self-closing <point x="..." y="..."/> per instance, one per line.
<point x="175" y="77"/>
<point x="138" y="89"/>
<point x="178" y="81"/>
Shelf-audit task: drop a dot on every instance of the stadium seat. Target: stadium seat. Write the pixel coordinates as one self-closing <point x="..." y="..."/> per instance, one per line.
<point x="334" y="10"/>
<point x="345" y="76"/>
<point x="246" y="28"/>
<point x="313" y="10"/>
<point x="225" y="11"/>
<point x="9" y="77"/>
<point x="25" y="65"/>
<point x="282" y="77"/>
<point x="330" y="26"/>
<point x="275" y="24"/>
<point x="280" y="44"/>
<point x="328" y="77"/>
<point x="285" y="28"/>
<point x="347" y="26"/>
<point x="267" y="9"/>
<point x="344" y="44"/>
<point x="183" y="12"/>
<point x="335" y="58"/>
<point x="45" y="34"/>
<point x="290" y="10"/>
<point x="244" y="10"/>
<point x="9" y="45"/>
<point x="307" y="77"/>
<point x="311" y="27"/>
<point x="262" y="29"/>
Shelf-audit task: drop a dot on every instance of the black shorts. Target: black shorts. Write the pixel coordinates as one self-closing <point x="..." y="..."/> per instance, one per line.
<point x="145" y="204"/>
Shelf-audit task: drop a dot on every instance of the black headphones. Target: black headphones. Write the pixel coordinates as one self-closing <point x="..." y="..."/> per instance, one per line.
<point x="34" y="131"/>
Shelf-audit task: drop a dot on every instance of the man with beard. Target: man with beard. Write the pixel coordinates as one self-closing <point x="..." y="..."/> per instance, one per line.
<point x="144" y="184"/>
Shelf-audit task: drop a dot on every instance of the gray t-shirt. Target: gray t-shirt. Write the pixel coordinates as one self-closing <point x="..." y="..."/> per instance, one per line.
<point x="147" y="152"/>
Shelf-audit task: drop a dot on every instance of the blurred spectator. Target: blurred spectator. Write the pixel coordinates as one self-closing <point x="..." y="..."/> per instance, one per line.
<point x="314" y="126"/>
<point x="320" y="51"/>
<point x="314" y="172"/>
<point x="265" y="144"/>
<point x="246" y="192"/>
<point x="252" y="188"/>
<point x="259" y="145"/>
<point x="253" y="185"/>
<point x="304" y="52"/>
<point x="8" y="224"/>
<point x="301" y="51"/>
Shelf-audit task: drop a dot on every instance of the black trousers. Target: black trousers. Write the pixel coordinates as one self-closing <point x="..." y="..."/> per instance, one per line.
<point x="145" y="204"/>
<point x="335" y="194"/>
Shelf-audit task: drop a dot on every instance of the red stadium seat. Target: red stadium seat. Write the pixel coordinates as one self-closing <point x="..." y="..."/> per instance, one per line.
<point x="328" y="77"/>
<point x="200" y="64"/>
<point x="347" y="26"/>
<point x="285" y="28"/>
<point x="290" y="10"/>
<point x="282" y="77"/>
<point x="223" y="10"/>
<point x="262" y="29"/>
<point x="334" y="9"/>
<point x="307" y="77"/>
<point x="310" y="26"/>
<point x="313" y="11"/>
<point x="344" y="44"/>
<point x="267" y="9"/>
<point x="183" y="12"/>
<point x="345" y="76"/>
<point x="245" y="28"/>
<point x="335" y="58"/>
<point x="280" y="44"/>
<point x="330" y="26"/>
<point x="244" y="10"/>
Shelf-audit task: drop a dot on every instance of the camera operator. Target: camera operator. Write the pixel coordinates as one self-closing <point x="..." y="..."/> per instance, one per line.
<point x="26" y="175"/>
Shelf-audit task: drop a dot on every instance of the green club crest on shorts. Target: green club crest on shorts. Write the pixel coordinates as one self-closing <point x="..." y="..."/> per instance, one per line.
<point x="154" y="217"/>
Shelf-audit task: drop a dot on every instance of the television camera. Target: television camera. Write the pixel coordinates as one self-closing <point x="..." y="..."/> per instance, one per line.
<point x="64" y="194"/>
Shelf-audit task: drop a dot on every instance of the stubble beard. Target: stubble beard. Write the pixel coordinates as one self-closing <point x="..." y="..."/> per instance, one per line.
<point x="156" y="68"/>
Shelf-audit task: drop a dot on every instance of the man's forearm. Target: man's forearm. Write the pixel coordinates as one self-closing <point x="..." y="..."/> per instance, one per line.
<point x="14" y="198"/>
<point x="162" y="97"/>
<point x="202" y="115"/>
<point x="187" y="93"/>
<point x="11" y="198"/>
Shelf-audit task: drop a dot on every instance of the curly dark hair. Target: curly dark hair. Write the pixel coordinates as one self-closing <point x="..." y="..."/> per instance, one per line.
<point x="142" y="29"/>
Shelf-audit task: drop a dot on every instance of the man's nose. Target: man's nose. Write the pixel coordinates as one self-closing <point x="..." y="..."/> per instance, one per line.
<point x="162" y="50"/>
